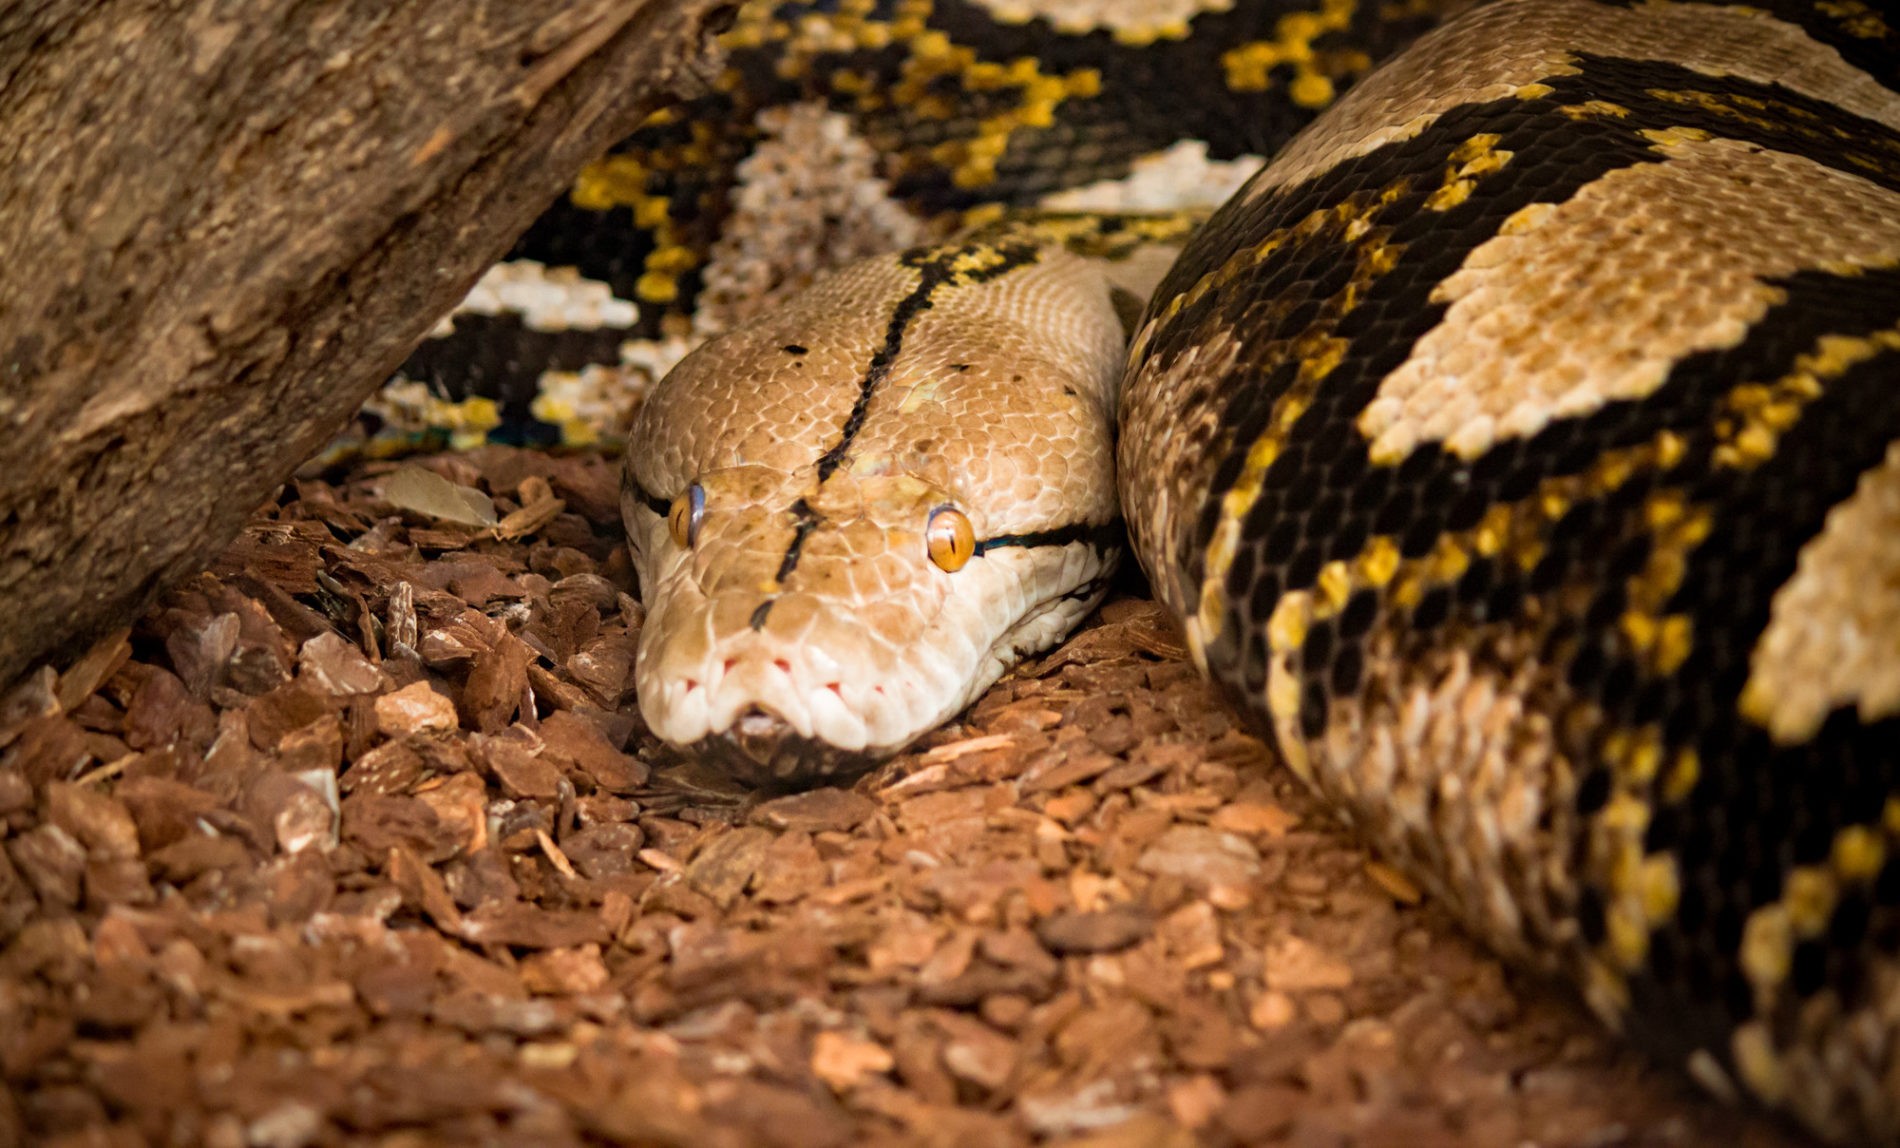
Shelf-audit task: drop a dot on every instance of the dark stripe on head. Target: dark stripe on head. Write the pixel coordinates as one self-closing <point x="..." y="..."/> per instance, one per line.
<point x="1101" y="536"/>
<point x="804" y="521"/>
<point x="937" y="268"/>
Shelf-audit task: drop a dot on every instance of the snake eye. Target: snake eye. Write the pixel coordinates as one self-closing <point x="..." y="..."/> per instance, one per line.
<point x="683" y="519"/>
<point x="950" y="537"/>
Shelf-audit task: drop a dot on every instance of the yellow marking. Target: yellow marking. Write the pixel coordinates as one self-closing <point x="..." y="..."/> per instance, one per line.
<point x="1379" y="561"/>
<point x="1726" y="106"/>
<point x="1675" y="637"/>
<point x="1140" y="36"/>
<point x="653" y="287"/>
<point x="622" y="180"/>
<point x="972" y="161"/>
<point x="610" y="181"/>
<point x="576" y="429"/>
<point x="1493" y="531"/>
<point x="468" y="421"/>
<point x="1470" y="162"/>
<point x="1334" y="585"/>
<point x="1345" y="214"/>
<point x="1110" y="236"/>
<point x="1249" y="67"/>
<point x="1660" y="642"/>
<point x="1626" y="937"/>
<point x="1447" y="562"/>
<point x="1521" y="530"/>
<point x="1809" y="893"/>
<point x="1675" y="137"/>
<point x="1757" y="1062"/>
<point x="1770" y="116"/>
<point x="1856" y="18"/>
<point x="1767" y="947"/>
<point x="1318" y="353"/>
<point x="1311" y="90"/>
<point x="1660" y="888"/>
<point x="1858" y="854"/>
<point x="1641" y="757"/>
<point x="1809" y="897"/>
<point x="1682" y="777"/>
<point x="1533" y="91"/>
<point x="1594" y="109"/>
<point x="1286" y="628"/>
<point x="1624" y="814"/>
<point x="1755" y="415"/>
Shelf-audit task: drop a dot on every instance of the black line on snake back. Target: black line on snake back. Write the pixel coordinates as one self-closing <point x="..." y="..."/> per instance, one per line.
<point x="1392" y="312"/>
<point x="937" y="267"/>
<point x="1763" y="520"/>
<point x="1659" y="94"/>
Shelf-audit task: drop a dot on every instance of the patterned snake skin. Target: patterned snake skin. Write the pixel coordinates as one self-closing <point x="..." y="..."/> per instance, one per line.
<point x="1521" y="446"/>
<point x="1526" y="451"/>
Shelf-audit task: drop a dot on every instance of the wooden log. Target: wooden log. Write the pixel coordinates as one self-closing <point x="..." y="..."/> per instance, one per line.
<point x="221" y="225"/>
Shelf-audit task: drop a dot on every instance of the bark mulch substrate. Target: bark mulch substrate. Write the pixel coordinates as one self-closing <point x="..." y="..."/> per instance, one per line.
<point x="357" y="838"/>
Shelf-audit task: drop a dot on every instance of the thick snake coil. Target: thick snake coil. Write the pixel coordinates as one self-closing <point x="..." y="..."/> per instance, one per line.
<point x="1521" y="447"/>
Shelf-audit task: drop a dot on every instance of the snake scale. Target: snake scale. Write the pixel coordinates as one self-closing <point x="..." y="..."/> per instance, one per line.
<point x="1521" y="446"/>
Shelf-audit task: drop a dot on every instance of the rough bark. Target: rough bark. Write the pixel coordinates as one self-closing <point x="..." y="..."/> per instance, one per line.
<point x="222" y="222"/>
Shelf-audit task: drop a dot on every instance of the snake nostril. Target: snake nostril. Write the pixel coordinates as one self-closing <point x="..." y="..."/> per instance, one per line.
<point x="784" y="667"/>
<point x="692" y="684"/>
<point x="835" y="687"/>
<point x="730" y="662"/>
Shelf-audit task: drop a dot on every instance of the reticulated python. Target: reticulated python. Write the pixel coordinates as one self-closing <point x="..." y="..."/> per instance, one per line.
<point x="1521" y="446"/>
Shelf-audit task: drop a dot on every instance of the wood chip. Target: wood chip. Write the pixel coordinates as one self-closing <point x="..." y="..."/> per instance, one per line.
<point x="369" y="796"/>
<point x="415" y="709"/>
<point x="843" y="1062"/>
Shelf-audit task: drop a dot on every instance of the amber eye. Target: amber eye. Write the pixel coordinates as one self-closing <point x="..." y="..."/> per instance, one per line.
<point x="950" y="537"/>
<point x="683" y="519"/>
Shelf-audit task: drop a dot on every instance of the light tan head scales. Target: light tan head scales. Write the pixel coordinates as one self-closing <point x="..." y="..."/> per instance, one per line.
<point x="852" y="515"/>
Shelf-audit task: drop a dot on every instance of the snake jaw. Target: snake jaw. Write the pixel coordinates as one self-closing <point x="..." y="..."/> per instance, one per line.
<point x="763" y="750"/>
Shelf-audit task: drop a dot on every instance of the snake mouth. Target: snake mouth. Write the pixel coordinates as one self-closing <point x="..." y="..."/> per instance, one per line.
<point x="762" y="750"/>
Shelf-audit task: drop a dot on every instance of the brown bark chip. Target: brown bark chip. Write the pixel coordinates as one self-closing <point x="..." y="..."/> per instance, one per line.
<point x="300" y="866"/>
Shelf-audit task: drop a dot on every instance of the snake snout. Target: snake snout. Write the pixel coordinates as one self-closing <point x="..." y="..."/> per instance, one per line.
<point x="762" y="749"/>
<point x="759" y="733"/>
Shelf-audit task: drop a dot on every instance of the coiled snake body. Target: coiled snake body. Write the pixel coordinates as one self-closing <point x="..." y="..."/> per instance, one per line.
<point x="1521" y="447"/>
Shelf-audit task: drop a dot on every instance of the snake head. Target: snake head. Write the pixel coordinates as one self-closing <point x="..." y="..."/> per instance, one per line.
<point x="853" y="513"/>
